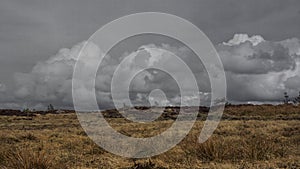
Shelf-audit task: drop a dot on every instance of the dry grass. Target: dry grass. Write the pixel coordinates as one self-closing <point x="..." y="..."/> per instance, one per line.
<point x="26" y="159"/>
<point x="58" y="141"/>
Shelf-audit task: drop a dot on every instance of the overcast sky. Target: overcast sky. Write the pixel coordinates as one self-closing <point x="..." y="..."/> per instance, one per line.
<point x="33" y="33"/>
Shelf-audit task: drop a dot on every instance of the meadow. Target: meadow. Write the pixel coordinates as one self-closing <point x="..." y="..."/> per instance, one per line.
<point x="248" y="136"/>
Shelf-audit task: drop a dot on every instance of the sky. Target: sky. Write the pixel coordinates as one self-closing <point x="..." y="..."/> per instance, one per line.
<point x="258" y="43"/>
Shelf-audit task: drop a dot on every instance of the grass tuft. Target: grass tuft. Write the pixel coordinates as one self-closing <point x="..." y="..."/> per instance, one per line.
<point x="26" y="159"/>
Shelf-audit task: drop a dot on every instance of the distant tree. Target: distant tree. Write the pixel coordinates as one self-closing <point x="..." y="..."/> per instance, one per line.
<point x="286" y="98"/>
<point x="297" y="99"/>
<point x="50" y="107"/>
<point x="228" y="103"/>
<point x="27" y="111"/>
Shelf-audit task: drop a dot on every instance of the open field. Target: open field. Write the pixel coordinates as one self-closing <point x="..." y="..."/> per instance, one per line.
<point x="248" y="137"/>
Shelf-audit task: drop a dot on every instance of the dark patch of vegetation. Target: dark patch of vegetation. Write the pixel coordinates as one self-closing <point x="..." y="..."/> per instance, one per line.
<point x="145" y="165"/>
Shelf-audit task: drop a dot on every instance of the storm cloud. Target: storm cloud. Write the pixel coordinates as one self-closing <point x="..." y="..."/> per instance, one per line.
<point x="257" y="70"/>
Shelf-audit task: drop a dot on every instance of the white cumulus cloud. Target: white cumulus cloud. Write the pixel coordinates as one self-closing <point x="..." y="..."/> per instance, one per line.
<point x="242" y="38"/>
<point x="260" y="70"/>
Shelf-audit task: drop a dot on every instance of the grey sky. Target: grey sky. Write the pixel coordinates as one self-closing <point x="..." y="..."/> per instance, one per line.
<point x="33" y="30"/>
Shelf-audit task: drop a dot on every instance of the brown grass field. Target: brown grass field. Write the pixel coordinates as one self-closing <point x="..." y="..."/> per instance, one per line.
<point x="249" y="136"/>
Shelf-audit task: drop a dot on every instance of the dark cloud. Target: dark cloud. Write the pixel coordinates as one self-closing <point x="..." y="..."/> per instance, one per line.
<point x="256" y="71"/>
<point x="32" y="31"/>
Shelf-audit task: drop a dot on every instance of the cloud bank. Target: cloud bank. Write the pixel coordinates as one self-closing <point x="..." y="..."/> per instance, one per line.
<point x="257" y="70"/>
<point x="260" y="70"/>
